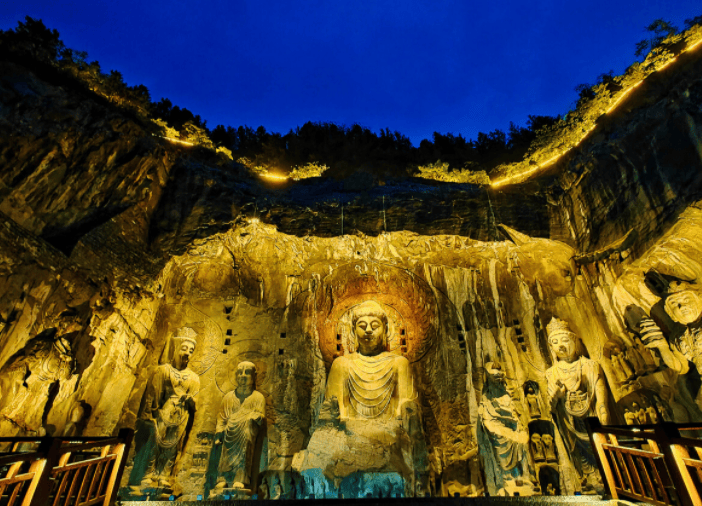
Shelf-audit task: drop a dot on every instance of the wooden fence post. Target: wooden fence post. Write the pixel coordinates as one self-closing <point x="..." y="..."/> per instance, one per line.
<point x="677" y="469"/>
<point x="122" y="452"/>
<point x="596" y="440"/>
<point x="40" y="489"/>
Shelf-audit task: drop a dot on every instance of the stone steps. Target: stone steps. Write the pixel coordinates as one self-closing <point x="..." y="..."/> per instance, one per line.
<point x="429" y="501"/>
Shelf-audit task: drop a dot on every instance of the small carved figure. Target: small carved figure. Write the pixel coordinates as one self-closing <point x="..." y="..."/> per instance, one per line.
<point x="577" y="389"/>
<point x="550" y="490"/>
<point x="663" y="411"/>
<point x="549" y="447"/>
<point x="620" y="365"/>
<point x="537" y="447"/>
<point x="639" y="413"/>
<point x="506" y="436"/>
<point x="652" y="415"/>
<point x="633" y="356"/>
<point x="27" y="378"/>
<point x="242" y="413"/>
<point x="533" y="403"/>
<point x="75" y="421"/>
<point x="168" y="403"/>
<point x="629" y="417"/>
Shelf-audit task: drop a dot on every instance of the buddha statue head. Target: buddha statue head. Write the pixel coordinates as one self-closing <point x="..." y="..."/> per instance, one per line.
<point x="370" y="328"/>
<point x="246" y="376"/>
<point x="184" y="342"/>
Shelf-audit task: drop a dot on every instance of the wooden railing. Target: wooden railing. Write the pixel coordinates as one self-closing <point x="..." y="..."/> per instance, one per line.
<point x="62" y="471"/>
<point x="650" y="463"/>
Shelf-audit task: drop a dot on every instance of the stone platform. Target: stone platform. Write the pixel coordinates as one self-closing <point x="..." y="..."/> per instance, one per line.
<point x="429" y="501"/>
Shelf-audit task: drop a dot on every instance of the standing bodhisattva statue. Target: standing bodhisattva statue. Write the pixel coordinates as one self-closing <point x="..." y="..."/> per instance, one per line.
<point x="577" y="389"/>
<point x="240" y="417"/>
<point x="168" y="404"/>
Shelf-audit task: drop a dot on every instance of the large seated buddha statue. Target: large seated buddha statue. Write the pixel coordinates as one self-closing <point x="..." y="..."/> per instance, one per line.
<point x="369" y="440"/>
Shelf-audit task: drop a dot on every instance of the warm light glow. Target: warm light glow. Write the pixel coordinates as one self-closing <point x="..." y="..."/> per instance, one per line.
<point x="175" y="141"/>
<point x="525" y="175"/>
<point x="253" y="221"/>
<point x="621" y="97"/>
<point x="275" y="177"/>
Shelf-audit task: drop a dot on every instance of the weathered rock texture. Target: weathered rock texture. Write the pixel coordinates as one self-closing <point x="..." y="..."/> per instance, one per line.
<point x="112" y="241"/>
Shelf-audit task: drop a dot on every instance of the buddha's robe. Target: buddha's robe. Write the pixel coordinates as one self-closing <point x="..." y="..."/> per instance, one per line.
<point x="372" y="387"/>
<point x="239" y="422"/>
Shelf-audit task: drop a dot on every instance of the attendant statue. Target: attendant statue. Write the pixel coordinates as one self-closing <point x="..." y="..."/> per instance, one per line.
<point x="533" y="403"/>
<point x="577" y="390"/>
<point x="629" y="417"/>
<point x="26" y="380"/>
<point x="376" y="421"/>
<point x="682" y="301"/>
<point x="168" y="404"/>
<point x="507" y="439"/>
<point x="549" y="447"/>
<point x="240" y="417"/>
<point x="537" y="447"/>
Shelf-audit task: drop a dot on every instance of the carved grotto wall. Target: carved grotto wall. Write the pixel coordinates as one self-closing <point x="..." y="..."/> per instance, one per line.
<point x="472" y="319"/>
<point x="146" y="286"/>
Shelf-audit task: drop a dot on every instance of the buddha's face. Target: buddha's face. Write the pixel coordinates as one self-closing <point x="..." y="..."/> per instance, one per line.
<point x="684" y="307"/>
<point x="563" y="345"/>
<point x="183" y="354"/>
<point x="246" y="375"/>
<point x="370" y="332"/>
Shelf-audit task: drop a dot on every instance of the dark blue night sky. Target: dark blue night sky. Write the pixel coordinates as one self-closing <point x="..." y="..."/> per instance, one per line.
<point x="412" y="66"/>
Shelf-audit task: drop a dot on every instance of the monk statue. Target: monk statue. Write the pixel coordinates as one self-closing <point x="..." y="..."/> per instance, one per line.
<point x="376" y="425"/>
<point x="168" y="404"/>
<point x="577" y="390"/>
<point x="501" y="435"/>
<point x="240" y="417"/>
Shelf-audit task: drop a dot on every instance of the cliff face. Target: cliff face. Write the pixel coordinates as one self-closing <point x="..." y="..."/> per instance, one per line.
<point x="639" y="168"/>
<point x="114" y="243"/>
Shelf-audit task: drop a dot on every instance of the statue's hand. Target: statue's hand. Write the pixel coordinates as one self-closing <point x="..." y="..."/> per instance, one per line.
<point x="651" y="335"/>
<point x="558" y="393"/>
